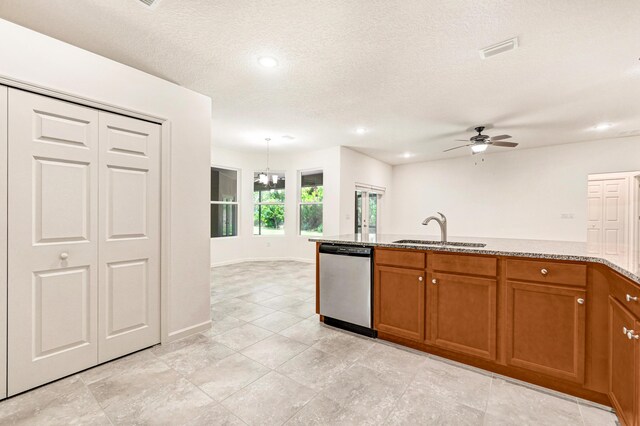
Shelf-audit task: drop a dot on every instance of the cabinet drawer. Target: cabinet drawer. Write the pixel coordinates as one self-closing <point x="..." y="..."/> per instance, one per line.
<point x="627" y="293"/>
<point x="400" y="258"/>
<point x="471" y="265"/>
<point x="547" y="272"/>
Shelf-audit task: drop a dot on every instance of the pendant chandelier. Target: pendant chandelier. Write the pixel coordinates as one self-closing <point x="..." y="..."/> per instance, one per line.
<point x="267" y="178"/>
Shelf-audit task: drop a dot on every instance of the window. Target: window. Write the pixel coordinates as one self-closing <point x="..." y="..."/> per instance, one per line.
<point x="311" y="196"/>
<point x="268" y="206"/>
<point x="224" y="202"/>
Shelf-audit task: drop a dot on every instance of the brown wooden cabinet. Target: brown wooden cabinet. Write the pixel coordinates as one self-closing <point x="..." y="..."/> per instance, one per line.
<point x="531" y="319"/>
<point x="462" y="314"/>
<point x="546" y="329"/>
<point x="623" y="362"/>
<point x="399" y="305"/>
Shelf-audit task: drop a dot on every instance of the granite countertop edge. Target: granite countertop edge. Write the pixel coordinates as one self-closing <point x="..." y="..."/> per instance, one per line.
<point x="486" y="251"/>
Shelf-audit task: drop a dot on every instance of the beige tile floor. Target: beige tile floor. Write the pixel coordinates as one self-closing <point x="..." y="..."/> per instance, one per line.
<point x="267" y="360"/>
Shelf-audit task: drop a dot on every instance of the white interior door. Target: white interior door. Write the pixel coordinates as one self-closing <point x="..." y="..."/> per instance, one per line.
<point x="3" y="240"/>
<point x="614" y="224"/>
<point x="607" y="215"/>
<point x="129" y="235"/>
<point x="594" y="217"/>
<point x="52" y="264"/>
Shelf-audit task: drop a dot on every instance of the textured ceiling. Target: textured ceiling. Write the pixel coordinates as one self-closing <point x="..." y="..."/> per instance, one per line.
<point x="406" y="70"/>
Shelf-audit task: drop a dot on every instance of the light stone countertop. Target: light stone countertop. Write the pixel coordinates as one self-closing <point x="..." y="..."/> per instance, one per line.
<point x="540" y="249"/>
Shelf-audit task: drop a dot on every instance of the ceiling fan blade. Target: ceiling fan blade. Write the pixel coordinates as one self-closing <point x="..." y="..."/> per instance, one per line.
<point x="505" y="144"/>
<point x="461" y="146"/>
<point x="461" y="140"/>
<point x="500" y="137"/>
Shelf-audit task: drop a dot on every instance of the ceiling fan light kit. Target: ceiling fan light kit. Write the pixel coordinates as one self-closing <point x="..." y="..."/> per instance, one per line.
<point x="480" y="143"/>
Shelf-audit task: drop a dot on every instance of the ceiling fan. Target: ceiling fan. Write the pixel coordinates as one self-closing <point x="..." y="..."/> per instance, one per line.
<point x="479" y="143"/>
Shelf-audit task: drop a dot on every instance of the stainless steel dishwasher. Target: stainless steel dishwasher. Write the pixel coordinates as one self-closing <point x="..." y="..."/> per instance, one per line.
<point x="346" y="287"/>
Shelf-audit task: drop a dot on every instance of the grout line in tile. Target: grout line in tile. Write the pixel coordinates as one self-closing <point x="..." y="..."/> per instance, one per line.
<point x="94" y="398"/>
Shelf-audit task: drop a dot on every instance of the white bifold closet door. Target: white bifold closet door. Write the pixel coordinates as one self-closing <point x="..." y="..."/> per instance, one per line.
<point x="73" y="205"/>
<point x="129" y="229"/>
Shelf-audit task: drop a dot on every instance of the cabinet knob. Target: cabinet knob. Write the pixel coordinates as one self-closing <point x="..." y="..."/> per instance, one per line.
<point x="580" y="301"/>
<point x="631" y="298"/>
<point x="420" y="279"/>
<point x="64" y="255"/>
<point x="434" y="281"/>
<point x="626" y="330"/>
<point x="544" y="271"/>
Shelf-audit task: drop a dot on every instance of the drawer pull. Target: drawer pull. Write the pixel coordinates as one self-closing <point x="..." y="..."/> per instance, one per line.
<point x="580" y="301"/>
<point x="434" y="281"/>
<point x="631" y="336"/>
<point x="631" y="298"/>
<point x="420" y="279"/>
<point x="544" y="271"/>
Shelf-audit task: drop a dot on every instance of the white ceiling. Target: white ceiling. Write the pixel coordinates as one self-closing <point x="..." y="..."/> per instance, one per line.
<point x="406" y="70"/>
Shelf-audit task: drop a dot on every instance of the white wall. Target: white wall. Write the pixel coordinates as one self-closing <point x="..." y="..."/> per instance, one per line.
<point x="515" y="194"/>
<point x="39" y="60"/>
<point x="247" y="246"/>
<point x="359" y="168"/>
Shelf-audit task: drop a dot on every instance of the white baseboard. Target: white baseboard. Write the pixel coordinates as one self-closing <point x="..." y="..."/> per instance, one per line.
<point x="263" y="259"/>
<point x="187" y="331"/>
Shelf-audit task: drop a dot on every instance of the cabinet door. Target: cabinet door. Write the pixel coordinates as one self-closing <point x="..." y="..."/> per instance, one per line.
<point x="129" y="226"/>
<point x="546" y="329"/>
<point x="399" y="302"/>
<point x="53" y="198"/>
<point x="462" y="312"/>
<point x="623" y="362"/>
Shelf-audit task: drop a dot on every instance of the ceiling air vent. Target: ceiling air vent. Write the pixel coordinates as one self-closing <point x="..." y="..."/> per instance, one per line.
<point x="150" y="3"/>
<point x="498" y="48"/>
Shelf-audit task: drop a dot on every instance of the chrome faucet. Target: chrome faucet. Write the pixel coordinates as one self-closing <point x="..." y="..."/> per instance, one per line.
<point x="442" y="221"/>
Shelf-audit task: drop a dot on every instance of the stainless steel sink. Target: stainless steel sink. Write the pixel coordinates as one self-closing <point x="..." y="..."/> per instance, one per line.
<point x="440" y="243"/>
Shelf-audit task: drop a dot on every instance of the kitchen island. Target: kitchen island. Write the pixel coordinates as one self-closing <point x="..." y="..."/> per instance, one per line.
<point x="545" y="312"/>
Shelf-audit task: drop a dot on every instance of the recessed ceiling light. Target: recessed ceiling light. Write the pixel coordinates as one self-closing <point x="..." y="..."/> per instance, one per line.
<point x="603" y="126"/>
<point x="268" y="61"/>
<point x="361" y="130"/>
<point x="407" y="155"/>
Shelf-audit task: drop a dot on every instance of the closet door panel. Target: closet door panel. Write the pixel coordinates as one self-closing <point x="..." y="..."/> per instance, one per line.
<point x="52" y="236"/>
<point x="3" y="240"/>
<point x="129" y="235"/>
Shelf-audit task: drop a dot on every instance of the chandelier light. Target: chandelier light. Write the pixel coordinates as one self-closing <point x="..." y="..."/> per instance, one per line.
<point x="267" y="178"/>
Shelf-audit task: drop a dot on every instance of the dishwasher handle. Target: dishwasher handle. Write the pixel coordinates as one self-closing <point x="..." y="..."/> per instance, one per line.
<point x="346" y="250"/>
